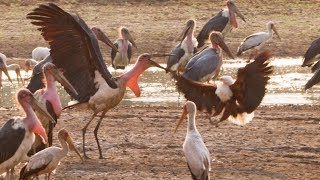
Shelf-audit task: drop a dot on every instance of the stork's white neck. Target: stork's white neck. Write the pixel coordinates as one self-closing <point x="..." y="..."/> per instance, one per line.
<point x="192" y="122"/>
<point x="31" y="119"/>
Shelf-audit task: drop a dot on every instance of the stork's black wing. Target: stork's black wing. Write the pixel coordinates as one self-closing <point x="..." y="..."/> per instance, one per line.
<point x="312" y="52"/>
<point x="217" y="23"/>
<point x="10" y="140"/>
<point x="74" y="48"/>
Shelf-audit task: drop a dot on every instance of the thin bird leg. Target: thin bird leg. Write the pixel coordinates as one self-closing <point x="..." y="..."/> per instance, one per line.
<point x="96" y="133"/>
<point x="18" y="72"/>
<point x="8" y="174"/>
<point x="83" y="136"/>
<point x="49" y="175"/>
<point x="12" y="173"/>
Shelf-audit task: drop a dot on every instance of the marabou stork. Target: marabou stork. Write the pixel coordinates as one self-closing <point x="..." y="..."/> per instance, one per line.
<point x="49" y="98"/>
<point x="47" y="160"/>
<point x="312" y="55"/>
<point x="13" y="67"/>
<point x="17" y="134"/>
<point x="195" y="151"/>
<point x="183" y="52"/>
<point x="238" y="98"/>
<point x="121" y="55"/>
<point x="257" y="40"/>
<point x="75" y="49"/>
<point x="206" y="65"/>
<point x="222" y="22"/>
<point x="39" y="53"/>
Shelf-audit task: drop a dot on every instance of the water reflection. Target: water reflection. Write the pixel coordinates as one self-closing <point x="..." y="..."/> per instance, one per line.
<point x="285" y="87"/>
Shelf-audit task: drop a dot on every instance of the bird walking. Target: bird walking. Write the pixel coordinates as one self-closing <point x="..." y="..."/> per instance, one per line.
<point x="18" y="134"/>
<point x="86" y="70"/>
<point x="183" y="52"/>
<point x="47" y="160"/>
<point x="310" y="57"/>
<point x="238" y="98"/>
<point x="195" y="151"/>
<point x="222" y="22"/>
<point x="13" y="67"/>
<point x="49" y="98"/>
<point x="3" y="68"/>
<point x="207" y="64"/>
<point x="257" y="40"/>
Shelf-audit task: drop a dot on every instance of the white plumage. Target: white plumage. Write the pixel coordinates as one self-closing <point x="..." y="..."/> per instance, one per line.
<point x="257" y="40"/>
<point x="196" y="152"/>
<point x="39" y="53"/>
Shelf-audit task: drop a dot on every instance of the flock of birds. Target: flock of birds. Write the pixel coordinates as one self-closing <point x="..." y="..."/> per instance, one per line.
<point x="74" y="49"/>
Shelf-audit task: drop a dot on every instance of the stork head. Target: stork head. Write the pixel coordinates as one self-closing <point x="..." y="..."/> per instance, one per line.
<point x="234" y="9"/>
<point x="188" y="108"/>
<point x="63" y="134"/>
<point x="216" y="38"/>
<point x="27" y="100"/>
<point x="227" y="80"/>
<point x="144" y="62"/>
<point x="270" y="26"/>
<point x="102" y="37"/>
<point x="51" y="69"/>
<point x="187" y="30"/>
<point x="124" y="32"/>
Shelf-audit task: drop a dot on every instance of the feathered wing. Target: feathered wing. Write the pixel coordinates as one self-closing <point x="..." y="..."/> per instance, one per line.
<point x="216" y="23"/>
<point x="74" y="48"/>
<point x="178" y="53"/>
<point x="315" y="79"/>
<point x="311" y="53"/>
<point x="250" y="85"/>
<point x="203" y="95"/>
<point x="247" y="91"/>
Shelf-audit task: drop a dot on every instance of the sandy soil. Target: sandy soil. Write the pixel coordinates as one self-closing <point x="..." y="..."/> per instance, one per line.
<point x="139" y="143"/>
<point x="156" y="24"/>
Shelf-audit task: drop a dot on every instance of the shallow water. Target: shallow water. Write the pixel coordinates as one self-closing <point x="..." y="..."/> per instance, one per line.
<point x="286" y="86"/>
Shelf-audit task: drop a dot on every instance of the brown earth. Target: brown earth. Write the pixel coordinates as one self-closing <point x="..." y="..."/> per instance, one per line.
<point x="156" y="24"/>
<point x="139" y="143"/>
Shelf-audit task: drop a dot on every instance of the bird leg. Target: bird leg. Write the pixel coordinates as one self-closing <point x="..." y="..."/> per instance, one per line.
<point x="96" y="133"/>
<point x="12" y="173"/>
<point x="49" y="175"/>
<point x="253" y="54"/>
<point x="83" y="136"/>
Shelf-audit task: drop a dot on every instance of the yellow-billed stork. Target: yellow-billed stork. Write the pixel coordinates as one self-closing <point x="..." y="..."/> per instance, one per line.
<point x="257" y="40"/>
<point x="13" y="67"/>
<point x="47" y="160"/>
<point x="195" y="151"/>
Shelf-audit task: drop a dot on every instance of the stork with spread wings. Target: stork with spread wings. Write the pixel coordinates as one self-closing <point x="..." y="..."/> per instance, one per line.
<point x="238" y="98"/>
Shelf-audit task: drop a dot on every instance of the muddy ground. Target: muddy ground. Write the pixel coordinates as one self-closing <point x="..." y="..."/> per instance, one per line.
<point x="282" y="142"/>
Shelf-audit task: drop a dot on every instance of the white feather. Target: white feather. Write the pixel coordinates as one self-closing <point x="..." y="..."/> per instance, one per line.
<point x="241" y="119"/>
<point x="104" y="93"/>
<point x="223" y="90"/>
<point x="39" y="53"/>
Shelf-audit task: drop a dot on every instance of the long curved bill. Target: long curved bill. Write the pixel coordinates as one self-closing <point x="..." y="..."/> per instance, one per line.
<point x="239" y="14"/>
<point x="36" y="105"/>
<point x="183" y="116"/>
<point x="276" y="32"/>
<point x="73" y="147"/>
<point x="155" y="64"/>
<point x="107" y="41"/>
<point x="63" y="80"/>
<point x="132" y="41"/>
<point x="314" y="80"/>
<point x="224" y="47"/>
<point x="184" y="33"/>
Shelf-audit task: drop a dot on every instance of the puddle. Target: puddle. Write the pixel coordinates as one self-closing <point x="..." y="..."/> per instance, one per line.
<point x="157" y="88"/>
